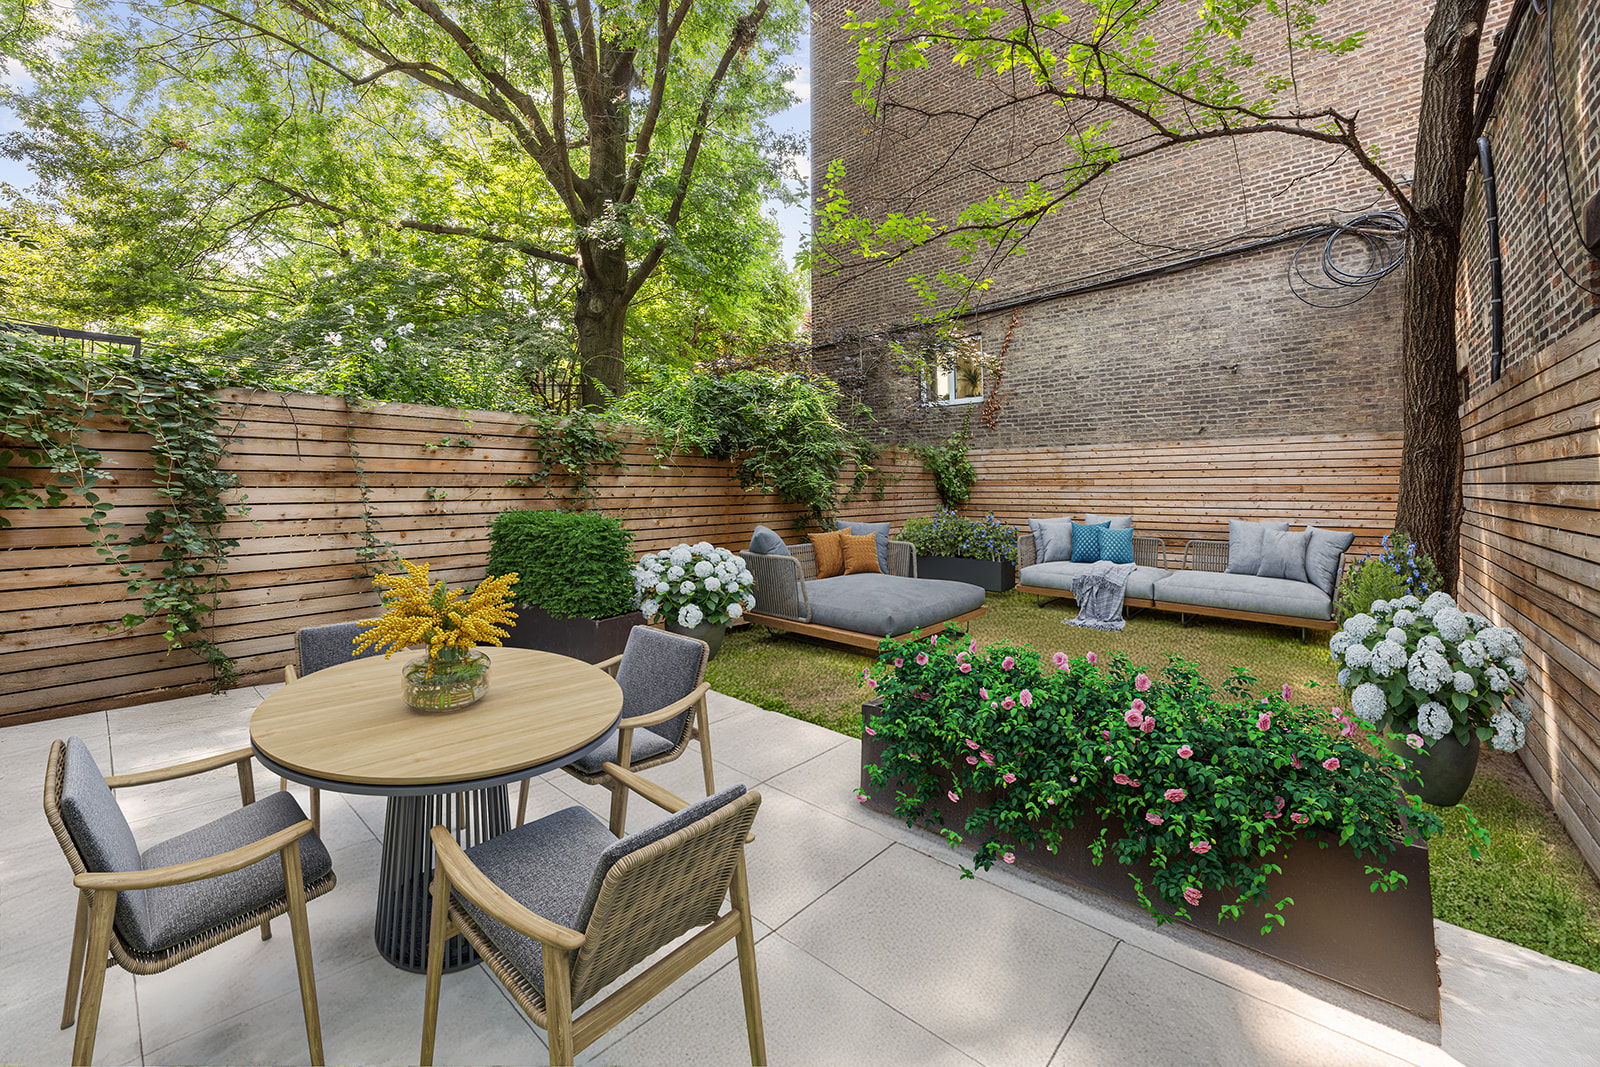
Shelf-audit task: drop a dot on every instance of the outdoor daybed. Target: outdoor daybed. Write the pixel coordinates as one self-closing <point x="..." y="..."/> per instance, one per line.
<point x="852" y="609"/>
<point x="1262" y="573"/>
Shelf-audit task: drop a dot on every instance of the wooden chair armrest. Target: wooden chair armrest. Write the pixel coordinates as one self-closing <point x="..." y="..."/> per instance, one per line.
<point x="290" y="674"/>
<point x="195" y="870"/>
<point x="466" y="879"/>
<point x="181" y="770"/>
<point x="610" y="665"/>
<point x="677" y="707"/>
<point x="652" y="792"/>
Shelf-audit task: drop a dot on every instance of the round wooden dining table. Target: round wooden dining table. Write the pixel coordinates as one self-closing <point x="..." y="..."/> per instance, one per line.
<point x="347" y="729"/>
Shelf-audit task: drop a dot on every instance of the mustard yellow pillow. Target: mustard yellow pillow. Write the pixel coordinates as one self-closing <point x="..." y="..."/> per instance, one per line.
<point x="830" y="553"/>
<point x="860" y="554"/>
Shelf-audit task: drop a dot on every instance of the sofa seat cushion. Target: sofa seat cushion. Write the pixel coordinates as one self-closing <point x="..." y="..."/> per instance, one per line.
<point x="1141" y="583"/>
<point x="1244" y="592"/>
<point x="885" y="604"/>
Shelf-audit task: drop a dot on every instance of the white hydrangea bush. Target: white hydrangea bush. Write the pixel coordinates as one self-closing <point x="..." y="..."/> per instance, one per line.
<point x="1427" y="667"/>
<point x="691" y="584"/>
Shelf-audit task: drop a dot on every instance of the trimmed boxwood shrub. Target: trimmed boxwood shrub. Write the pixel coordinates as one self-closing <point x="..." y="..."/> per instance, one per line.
<point x="571" y="564"/>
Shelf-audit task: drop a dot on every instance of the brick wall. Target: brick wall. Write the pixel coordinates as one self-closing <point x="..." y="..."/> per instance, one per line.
<point x="1542" y="303"/>
<point x="1222" y="348"/>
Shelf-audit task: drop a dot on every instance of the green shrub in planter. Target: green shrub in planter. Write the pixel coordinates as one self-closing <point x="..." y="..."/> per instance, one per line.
<point x="1207" y="789"/>
<point x="1398" y="571"/>
<point x="571" y="564"/>
<point x="949" y="534"/>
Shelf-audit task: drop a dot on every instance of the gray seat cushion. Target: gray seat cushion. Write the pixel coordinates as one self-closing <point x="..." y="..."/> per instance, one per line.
<point x="177" y="913"/>
<point x="885" y="604"/>
<point x="555" y="866"/>
<point x="647" y="744"/>
<point x="95" y="821"/>
<point x="322" y="647"/>
<point x="880" y="537"/>
<point x="1141" y="584"/>
<point x="657" y="669"/>
<point x="1243" y="592"/>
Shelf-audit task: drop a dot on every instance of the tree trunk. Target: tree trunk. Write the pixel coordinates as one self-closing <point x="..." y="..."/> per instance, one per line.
<point x="1429" y="506"/>
<point x="600" y="312"/>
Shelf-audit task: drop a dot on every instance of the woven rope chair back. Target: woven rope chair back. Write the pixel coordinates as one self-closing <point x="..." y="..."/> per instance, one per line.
<point x="320" y="647"/>
<point x="661" y="892"/>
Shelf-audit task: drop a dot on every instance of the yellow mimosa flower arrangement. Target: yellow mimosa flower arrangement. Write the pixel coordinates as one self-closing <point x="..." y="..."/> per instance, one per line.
<point x="451" y="622"/>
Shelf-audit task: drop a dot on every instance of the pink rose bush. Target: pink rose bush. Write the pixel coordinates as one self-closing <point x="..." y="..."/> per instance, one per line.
<point x="1199" y="782"/>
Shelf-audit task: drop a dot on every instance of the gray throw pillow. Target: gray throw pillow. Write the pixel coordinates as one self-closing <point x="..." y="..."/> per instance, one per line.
<point x="1283" y="555"/>
<point x="1322" y="557"/>
<point x="880" y="535"/>
<point x="1052" y="540"/>
<point x="1118" y="522"/>
<point x="767" y="543"/>
<point x="1244" y="544"/>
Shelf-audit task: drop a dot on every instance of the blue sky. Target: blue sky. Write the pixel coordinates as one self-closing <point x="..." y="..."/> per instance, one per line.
<point x="793" y="220"/>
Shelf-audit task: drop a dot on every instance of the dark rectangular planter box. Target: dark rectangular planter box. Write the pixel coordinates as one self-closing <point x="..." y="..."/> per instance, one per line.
<point x="995" y="577"/>
<point x="590" y="640"/>
<point x="1380" y="944"/>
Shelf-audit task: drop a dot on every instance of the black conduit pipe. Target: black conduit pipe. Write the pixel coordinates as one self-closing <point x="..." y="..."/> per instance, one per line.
<point x="1491" y="206"/>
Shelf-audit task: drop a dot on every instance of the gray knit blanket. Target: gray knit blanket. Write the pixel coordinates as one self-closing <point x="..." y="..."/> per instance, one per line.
<point x="1099" y="590"/>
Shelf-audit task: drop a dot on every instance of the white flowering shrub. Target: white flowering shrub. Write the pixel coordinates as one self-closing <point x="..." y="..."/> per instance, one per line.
<point x="691" y="584"/>
<point x="1426" y="667"/>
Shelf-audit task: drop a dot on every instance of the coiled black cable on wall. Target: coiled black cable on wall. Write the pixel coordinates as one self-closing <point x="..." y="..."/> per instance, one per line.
<point x="1380" y="234"/>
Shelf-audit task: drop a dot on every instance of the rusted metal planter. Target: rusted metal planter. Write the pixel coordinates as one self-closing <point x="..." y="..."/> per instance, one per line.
<point x="1380" y="944"/>
<point x="590" y="640"/>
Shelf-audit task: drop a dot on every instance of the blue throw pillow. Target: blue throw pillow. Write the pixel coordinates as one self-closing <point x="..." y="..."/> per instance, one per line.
<point x="1086" y="541"/>
<point x="1116" y="546"/>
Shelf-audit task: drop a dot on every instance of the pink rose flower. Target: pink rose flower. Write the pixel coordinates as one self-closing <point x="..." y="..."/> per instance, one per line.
<point x="972" y="760"/>
<point x="1294" y="761"/>
<point x="1200" y="847"/>
<point x="972" y="744"/>
<point x="1184" y="751"/>
<point x="1133" y="718"/>
<point x="1298" y="819"/>
<point x="1092" y="658"/>
<point x="872" y="683"/>
<point x="1175" y="796"/>
<point x="1105" y="735"/>
<point x="961" y="657"/>
<point x="871" y="732"/>
<point x="1141" y="682"/>
<point x="1008" y="778"/>
<point x="1149" y="724"/>
<point x="965" y="668"/>
<point x="1349" y="730"/>
<point x="1153" y="819"/>
<point x="1060" y="660"/>
<point x="1134" y="782"/>
<point x="986" y="758"/>
<point x="866" y="672"/>
<point x="1414" y="740"/>
<point x="1121" y="779"/>
<point x="983" y="692"/>
<point x="1192" y="895"/>
<point x="898" y="662"/>
<point x="1264" y="722"/>
<point x="1007" y="663"/>
<point x="1331" y="763"/>
<point x="972" y="646"/>
<point x="1025" y="698"/>
<point x="1337" y="714"/>
<point x="934" y="640"/>
<point x="1009" y="857"/>
<point x="953" y="795"/>
<point x="922" y="659"/>
<point x="1138" y="705"/>
<point x="1287" y="692"/>
<point x="1008" y="703"/>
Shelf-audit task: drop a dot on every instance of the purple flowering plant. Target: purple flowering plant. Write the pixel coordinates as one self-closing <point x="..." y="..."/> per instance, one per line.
<point x="1208" y="788"/>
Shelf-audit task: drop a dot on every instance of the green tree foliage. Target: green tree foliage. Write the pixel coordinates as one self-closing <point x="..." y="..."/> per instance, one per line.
<point x="559" y="162"/>
<point x="1088" y="86"/>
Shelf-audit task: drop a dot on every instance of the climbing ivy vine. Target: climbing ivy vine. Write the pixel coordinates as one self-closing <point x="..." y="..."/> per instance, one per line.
<point x="50" y="394"/>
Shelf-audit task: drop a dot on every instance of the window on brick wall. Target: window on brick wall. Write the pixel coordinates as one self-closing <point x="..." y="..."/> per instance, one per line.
<point x="953" y="371"/>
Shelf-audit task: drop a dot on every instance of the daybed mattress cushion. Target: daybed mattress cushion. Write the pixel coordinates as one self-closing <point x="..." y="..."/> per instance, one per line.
<point x="1244" y="592"/>
<point x="1141" y="583"/>
<point x="884" y="604"/>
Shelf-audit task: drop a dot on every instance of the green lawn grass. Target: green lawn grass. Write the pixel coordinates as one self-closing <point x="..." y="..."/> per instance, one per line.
<point x="1529" y="886"/>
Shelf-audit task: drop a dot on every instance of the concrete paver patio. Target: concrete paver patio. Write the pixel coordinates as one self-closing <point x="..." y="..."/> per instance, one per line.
<point x="871" y="948"/>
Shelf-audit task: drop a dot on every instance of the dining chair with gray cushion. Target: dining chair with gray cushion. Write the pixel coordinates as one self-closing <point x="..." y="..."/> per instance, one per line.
<point x="317" y="648"/>
<point x="662" y="677"/>
<point x="149" y="911"/>
<point x="559" y="908"/>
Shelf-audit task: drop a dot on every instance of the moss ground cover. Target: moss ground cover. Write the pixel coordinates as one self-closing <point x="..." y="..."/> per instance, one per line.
<point x="1529" y="887"/>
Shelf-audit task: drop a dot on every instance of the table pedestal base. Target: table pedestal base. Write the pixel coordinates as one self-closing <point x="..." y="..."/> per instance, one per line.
<point x="404" y="901"/>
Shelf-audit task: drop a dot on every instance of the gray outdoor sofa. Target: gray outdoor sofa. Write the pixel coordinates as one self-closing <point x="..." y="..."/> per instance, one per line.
<point x="1200" y="583"/>
<point x="855" y="609"/>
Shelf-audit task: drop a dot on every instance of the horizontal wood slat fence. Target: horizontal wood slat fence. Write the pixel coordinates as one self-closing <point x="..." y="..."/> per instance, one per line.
<point x="1530" y="557"/>
<point x="298" y="560"/>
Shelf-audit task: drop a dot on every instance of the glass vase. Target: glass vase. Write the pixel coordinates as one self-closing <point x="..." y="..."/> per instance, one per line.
<point x="446" y="681"/>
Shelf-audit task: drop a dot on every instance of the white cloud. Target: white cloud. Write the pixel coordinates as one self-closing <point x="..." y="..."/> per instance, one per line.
<point x="802" y="163"/>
